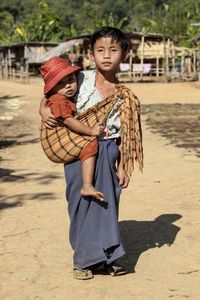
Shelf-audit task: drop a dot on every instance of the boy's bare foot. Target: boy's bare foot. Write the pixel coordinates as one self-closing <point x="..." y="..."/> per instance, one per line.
<point x="89" y="190"/>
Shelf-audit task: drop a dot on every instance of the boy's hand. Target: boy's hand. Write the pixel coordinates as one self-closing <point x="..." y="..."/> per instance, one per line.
<point x="98" y="129"/>
<point x="48" y="118"/>
<point x="123" y="177"/>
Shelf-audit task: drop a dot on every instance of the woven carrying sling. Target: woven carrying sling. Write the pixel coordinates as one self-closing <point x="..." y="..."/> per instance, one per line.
<point x="63" y="146"/>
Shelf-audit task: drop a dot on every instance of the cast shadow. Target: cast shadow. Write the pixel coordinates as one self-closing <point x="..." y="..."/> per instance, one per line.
<point x="5" y="97"/>
<point x="18" y="200"/>
<point x="8" y="175"/>
<point x="140" y="236"/>
<point x="4" y="143"/>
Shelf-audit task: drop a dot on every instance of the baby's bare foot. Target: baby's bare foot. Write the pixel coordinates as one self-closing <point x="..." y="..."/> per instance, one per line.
<point x="89" y="190"/>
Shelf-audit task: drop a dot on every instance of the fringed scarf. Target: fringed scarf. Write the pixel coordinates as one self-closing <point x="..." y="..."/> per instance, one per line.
<point x="63" y="146"/>
<point x="131" y="132"/>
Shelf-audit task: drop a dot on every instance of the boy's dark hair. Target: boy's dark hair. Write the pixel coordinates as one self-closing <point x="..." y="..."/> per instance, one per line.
<point x="114" y="33"/>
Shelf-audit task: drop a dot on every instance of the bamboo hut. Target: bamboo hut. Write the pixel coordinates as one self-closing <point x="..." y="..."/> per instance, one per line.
<point x="152" y="57"/>
<point x="196" y="41"/>
<point x="148" y="58"/>
<point x="20" y="60"/>
<point x="14" y="58"/>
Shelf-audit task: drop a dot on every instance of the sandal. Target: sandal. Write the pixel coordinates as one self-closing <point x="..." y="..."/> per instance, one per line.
<point x="115" y="269"/>
<point x="82" y="274"/>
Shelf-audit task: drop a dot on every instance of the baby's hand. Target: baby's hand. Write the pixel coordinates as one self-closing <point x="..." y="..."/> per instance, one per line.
<point x="48" y="118"/>
<point x="98" y="129"/>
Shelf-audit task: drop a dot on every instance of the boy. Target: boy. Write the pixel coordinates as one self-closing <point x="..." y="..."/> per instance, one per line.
<point x="94" y="230"/>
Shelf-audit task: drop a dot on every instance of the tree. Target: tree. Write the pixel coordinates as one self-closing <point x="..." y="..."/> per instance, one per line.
<point x="43" y="25"/>
<point x="7" y="26"/>
<point x="50" y="20"/>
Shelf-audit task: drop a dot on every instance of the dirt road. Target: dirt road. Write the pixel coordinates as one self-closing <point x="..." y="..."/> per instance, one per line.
<point x="159" y="215"/>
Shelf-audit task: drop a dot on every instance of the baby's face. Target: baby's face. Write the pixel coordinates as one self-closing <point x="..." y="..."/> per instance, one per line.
<point x="67" y="86"/>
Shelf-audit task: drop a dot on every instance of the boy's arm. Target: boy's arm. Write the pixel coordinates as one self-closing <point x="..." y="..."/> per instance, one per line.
<point x="75" y="126"/>
<point x="121" y="173"/>
<point x="46" y="115"/>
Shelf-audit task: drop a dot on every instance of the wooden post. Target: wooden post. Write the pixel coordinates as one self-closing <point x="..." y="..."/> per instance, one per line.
<point x="142" y="55"/>
<point x="182" y="63"/>
<point x="158" y="60"/>
<point x="6" y="67"/>
<point x="194" y="62"/>
<point x="27" y="72"/>
<point x="13" y="73"/>
<point x="9" y="63"/>
<point x="198" y="62"/>
<point x="189" y="65"/>
<point x="130" y="63"/>
<point x="1" y="65"/>
<point x="173" y="60"/>
<point x="157" y="66"/>
<point x="21" y="73"/>
<point x="165" y="63"/>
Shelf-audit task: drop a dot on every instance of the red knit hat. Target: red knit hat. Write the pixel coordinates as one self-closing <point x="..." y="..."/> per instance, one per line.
<point x="54" y="70"/>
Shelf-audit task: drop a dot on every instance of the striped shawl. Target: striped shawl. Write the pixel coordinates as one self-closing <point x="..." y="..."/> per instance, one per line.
<point x="63" y="146"/>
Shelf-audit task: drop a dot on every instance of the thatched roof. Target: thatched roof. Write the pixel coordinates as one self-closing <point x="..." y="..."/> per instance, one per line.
<point x="62" y="48"/>
<point x="147" y="36"/>
<point x="28" y="44"/>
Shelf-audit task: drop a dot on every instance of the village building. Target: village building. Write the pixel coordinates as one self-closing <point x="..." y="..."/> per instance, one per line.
<point x="196" y="42"/>
<point x="14" y="57"/>
<point x="152" y="57"/>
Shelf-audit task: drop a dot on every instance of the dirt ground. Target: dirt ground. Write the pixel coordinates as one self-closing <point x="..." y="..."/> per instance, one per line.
<point x="179" y="122"/>
<point x="159" y="212"/>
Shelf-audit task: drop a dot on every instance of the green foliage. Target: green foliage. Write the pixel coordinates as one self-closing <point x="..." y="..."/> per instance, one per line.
<point x="176" y="18"/>
<point x="44" y="25"/>
<point x="50" y="20"/>
<point x="110" y="21"/>
<point x="7" y="27"/>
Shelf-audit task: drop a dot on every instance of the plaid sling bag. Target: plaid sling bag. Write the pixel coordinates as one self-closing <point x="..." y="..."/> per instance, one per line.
<point x="63" y="146"/>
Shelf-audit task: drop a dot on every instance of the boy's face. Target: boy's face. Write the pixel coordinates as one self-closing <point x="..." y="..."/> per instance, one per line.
<point x="107" y="54"/>
<point x="67" y="86"/>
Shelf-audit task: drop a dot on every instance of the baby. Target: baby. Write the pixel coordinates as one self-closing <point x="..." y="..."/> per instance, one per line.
<point x="60" y="87"/>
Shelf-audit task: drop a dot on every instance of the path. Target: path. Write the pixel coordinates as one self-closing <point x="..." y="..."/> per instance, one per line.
<point x="34" y="250"/>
